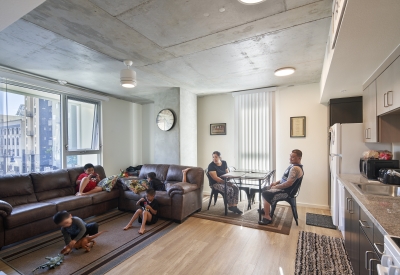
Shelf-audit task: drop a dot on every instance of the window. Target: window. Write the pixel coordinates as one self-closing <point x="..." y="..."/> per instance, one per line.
<point x="17" y="141"/>
<point x="17" y="152"/>
<point x="13" y="142"/>
<point x="254" y="129"/>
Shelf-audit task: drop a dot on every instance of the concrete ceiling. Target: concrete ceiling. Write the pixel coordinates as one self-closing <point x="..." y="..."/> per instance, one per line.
<point x="173" y="43"/>
<point x="369" y="33"/>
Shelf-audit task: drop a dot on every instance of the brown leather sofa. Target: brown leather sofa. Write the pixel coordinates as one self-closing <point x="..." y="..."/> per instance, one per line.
<point x="28" y="202"/>
<point x="181" y="198"/>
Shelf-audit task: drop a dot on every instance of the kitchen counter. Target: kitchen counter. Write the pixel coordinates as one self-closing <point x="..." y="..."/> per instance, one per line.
<point x="383" y="211"/>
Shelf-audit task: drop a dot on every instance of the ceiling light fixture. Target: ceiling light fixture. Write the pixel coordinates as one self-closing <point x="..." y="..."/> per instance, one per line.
<point x="251" y="2"/>
<point x="128" y="76"/>
<point x="284" y="71"/>
<point x="62" y="82"/>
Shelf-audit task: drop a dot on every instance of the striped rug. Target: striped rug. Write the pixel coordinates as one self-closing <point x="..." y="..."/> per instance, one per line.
<point x="319" y="254"/>
<point x="112" y="247"/>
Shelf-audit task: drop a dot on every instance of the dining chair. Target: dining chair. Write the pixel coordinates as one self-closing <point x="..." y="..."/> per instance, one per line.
<point x="214" y="192"/>
<point x="242" y="187"/>
<point x="291" y="200"/>
<point x="254" y="190"/>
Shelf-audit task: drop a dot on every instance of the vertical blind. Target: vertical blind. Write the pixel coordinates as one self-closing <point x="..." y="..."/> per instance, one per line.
<point x="254" y="127"/>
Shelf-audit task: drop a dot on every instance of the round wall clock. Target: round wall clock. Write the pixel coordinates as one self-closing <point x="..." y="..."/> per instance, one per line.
<point x="165" y="120"/>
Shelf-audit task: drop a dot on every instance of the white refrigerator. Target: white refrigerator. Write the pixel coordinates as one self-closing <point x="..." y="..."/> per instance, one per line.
<point x="346" y="148"/>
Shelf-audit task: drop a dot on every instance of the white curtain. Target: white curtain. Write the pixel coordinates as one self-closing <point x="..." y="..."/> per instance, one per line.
<point x="254" y="127"/>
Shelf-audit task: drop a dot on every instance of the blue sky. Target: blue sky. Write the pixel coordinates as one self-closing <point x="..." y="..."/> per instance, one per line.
<point x="14" y="101"/>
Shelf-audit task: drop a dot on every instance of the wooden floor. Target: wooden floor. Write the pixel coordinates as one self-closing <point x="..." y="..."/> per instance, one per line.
<point x="200" y="246"/>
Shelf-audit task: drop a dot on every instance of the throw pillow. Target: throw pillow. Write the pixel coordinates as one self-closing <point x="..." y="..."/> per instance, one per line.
<point x="108" y="183"/>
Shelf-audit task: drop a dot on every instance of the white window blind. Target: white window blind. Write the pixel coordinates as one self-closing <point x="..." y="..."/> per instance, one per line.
<point x="254" y="127"/>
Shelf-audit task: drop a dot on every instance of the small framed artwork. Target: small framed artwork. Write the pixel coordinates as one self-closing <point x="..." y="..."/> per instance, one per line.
<point x="217" y="129"/>
<point x="298" y="126"/>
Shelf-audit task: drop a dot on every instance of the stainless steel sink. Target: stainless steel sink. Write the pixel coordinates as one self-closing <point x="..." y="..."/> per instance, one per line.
<point x="380" y="189"/>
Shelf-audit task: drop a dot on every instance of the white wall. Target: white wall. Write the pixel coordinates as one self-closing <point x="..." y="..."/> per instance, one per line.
<point x="214" y="109"/>
<point x="293" y="101"/>
<point x="148" y="132"/>
<point x="304" y="101"/>
<point x="122" y="141"/>
<point x="188" y="125"/>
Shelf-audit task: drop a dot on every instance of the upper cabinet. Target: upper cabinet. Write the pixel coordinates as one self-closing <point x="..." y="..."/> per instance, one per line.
<point x="370" y="119"/>
<point x="388" y="89"/>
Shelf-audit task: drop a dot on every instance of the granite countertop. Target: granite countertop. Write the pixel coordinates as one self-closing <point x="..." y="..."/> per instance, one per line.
<point x="383" y="211"/>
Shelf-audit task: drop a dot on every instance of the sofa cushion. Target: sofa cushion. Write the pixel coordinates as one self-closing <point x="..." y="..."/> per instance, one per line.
<point x="163" y="198"/>
<point x="52" y="184"/>
<point x="194" y="176"/>
<point x="31" y="212"/>
<point x="70" y="202"/>
<point x="104" y="196"/>
<point x="133" y="196"/>
<point x="17" y="189"/>
<point x="160" y="170"/>
<point x="76" y="171"/>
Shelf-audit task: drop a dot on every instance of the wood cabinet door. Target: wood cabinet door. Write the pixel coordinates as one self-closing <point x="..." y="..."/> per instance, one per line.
<point x="388" y="89"/>
<point x="355" y="236"/>
<point x="370" y="119"/>
<point x="367" y="253"/>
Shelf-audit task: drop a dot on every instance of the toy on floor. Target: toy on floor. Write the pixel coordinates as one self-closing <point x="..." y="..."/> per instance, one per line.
<point x="52" y="262"/>
<point x="86" y="242"/>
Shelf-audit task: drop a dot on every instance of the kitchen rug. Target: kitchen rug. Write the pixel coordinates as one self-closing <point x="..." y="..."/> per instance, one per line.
<point x="282" y="221"/>
<point x="319" y="254"/>
<point x="320" y="220"/>
<point x="112" y="247"/>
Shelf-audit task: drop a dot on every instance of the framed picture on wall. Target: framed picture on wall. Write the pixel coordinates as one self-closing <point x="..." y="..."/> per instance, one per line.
<point x="298" y="126"/>
<point x="217" y="129"/>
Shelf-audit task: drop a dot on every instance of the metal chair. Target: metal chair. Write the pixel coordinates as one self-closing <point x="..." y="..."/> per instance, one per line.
<point x="291" y="200"/>
<point x="267" y="182"/>
<point x="214" y="192"/>
<point x="242" y="187"/>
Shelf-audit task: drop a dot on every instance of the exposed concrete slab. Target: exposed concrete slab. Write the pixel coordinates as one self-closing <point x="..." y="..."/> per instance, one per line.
<point x="116" y="7"/>
<point x="89" y="25"/>
<point x="173" y="22"/>
<point x="292" y="4"/>
<point x="305" y="14"/>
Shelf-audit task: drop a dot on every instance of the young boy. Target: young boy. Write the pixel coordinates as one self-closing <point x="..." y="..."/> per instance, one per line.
<point x="86" y="183"/>
<point x="74" y="228"/>
<point x="147" y="214"/>
<point x="157" y="185"/>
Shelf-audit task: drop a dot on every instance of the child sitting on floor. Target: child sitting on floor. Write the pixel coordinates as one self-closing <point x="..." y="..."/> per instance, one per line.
<point x="147" y="213"/>
<point x="86" y="183"/>
<point x="74" y="228"/>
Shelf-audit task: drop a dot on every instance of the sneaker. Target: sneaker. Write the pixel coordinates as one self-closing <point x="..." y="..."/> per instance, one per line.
<point x="264" y="221"/>
<point x="237" y="211"/>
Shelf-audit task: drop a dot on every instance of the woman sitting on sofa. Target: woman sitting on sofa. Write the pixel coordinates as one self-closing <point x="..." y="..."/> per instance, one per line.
<point x="217" y="168"/>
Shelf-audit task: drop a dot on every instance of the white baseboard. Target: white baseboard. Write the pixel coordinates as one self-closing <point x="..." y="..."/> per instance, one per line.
<point x="207" y="193"/>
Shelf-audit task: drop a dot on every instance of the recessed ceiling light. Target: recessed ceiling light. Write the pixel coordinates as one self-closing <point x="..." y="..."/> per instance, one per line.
<point x="62" y="82"/>
<point x="221" y="9"/>
<point x="284" y="71"/>
<point x="251" y="2"/>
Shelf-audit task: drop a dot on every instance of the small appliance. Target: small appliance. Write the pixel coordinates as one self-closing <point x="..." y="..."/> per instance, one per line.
<point x="369" y="168"/>
<point x="389" y="176"/>
<point x="390" y="261"/>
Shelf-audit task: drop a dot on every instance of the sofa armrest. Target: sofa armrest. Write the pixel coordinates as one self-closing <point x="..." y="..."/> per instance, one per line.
<point x="5" y="208"/>
<point x="180" y="188"/>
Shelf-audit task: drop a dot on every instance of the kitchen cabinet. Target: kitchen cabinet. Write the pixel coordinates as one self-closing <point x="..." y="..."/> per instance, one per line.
<point x="346" y="110"/>
<point x="370" y="119"/>
<point x="388" y="89"/>
<point x="352" y="231"/>
<point x="363" y="240"/>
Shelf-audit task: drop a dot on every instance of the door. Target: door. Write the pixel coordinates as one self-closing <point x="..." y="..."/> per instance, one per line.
<point x="388" y="89"/>
<point x="370" y="119"/>
<point x="367" y="255"/>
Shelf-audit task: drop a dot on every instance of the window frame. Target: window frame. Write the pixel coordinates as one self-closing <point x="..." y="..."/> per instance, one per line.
<point x="64" y="129"/>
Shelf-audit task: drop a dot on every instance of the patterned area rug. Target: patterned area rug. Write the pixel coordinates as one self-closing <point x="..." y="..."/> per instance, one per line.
<point x="282" y="221"/>
<point x="320" y="220"/>
<point x="318" y="254"/>
<point x="112" y="247"/>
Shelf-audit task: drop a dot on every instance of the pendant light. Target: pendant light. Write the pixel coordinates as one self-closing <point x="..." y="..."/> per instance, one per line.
<point x="128" y="76"/>
<point x="251" y="2"/>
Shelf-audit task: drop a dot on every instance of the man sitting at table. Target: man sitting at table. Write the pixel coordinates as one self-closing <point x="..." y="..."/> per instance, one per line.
<point x="282" y="189"/>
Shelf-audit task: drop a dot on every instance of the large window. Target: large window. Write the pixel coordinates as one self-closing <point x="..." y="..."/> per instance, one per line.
<point x="31" y="124"/>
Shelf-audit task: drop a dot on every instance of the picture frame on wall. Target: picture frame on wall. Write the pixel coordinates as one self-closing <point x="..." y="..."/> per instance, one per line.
<point x="217" y="129"/>
<point x="298" y="126"/>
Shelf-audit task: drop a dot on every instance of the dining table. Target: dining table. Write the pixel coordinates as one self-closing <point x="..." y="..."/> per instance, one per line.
<point x="245" y="175"/>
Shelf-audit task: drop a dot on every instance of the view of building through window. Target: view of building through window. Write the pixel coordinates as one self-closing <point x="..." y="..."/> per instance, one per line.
<point x="30" y="123"/>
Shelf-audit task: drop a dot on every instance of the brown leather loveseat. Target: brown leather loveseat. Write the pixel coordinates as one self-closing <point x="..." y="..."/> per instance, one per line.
<point x="28" y="202"/>
<point x="181" y="198"/>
